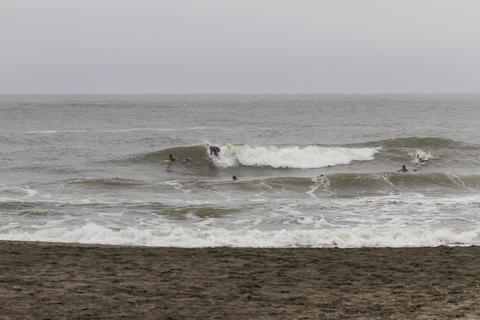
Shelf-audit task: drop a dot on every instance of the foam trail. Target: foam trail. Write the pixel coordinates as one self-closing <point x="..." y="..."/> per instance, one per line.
<point x="291" y="157"/>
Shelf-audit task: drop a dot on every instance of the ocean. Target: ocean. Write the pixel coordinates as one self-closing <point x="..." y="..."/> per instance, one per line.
<point x="312" y="170"/>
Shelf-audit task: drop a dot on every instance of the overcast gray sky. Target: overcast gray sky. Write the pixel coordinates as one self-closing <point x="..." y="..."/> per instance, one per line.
<point x="221" y="46"/>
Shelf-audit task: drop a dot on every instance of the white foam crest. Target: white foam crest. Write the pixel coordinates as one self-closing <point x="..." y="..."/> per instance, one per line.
<point x="420" y="156"/>
<point x="195" y="238"/>
<point x="291" y="157"/>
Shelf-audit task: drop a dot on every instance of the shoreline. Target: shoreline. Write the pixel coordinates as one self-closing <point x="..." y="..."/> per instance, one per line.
<point x="69" y="280"/>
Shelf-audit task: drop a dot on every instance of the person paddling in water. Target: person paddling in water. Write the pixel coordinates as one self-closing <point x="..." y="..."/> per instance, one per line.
<point x="215" y="150"/>
<point x="403" y="170"/>
<point x="173" y="159"/>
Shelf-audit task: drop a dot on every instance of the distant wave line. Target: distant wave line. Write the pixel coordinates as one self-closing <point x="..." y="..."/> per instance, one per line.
<point x="157" y="129"/>
<point x="115" y="130"/>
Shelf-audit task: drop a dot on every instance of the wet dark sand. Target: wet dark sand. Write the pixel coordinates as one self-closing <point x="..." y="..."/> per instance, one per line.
<point x="42" y="280"/>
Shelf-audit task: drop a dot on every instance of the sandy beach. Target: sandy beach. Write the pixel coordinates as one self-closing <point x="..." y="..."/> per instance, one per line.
<point x="52" y="281"/>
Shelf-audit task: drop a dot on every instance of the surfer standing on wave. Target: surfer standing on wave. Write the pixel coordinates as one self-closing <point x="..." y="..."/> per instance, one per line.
<point x="171" y="157"/>
<point x="403" y="170"/>
<point x="215" y="150"/>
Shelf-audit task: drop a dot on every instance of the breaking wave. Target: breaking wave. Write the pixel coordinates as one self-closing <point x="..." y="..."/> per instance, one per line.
<point x="313" y="156"/>
<point x="307" y="157"/>
<point x="300" y="157"/>
<point x="216" y="237"/>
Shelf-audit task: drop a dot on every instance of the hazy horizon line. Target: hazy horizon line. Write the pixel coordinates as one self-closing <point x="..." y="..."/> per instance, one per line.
<point x="238" y="93"/>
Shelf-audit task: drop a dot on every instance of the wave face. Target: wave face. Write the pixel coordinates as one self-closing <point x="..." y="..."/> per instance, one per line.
<point x="419" y="182"/>
<point x="420" y="142"/>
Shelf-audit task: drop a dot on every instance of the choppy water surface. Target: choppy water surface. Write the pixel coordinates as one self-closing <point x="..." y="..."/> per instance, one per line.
<point x="316" y="171"/>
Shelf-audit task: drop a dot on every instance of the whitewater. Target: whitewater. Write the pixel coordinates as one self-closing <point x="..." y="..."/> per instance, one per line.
<point x="291" y="157"/>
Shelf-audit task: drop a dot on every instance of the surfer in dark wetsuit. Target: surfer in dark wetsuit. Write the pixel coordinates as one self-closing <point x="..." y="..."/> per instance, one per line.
<point x="234" y="178"/>
<point x="171" y="157"/>
<point x="215" y="150"/>
<point x="403" y="170"/>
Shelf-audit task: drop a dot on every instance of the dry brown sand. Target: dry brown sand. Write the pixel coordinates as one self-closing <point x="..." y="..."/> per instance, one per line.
<point x="42" y="280"/>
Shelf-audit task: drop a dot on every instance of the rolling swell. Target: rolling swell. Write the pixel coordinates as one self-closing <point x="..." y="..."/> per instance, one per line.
<point x="355" y="184"/>
<point x="446" y="154"/>
<point x="419" y="142"/>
